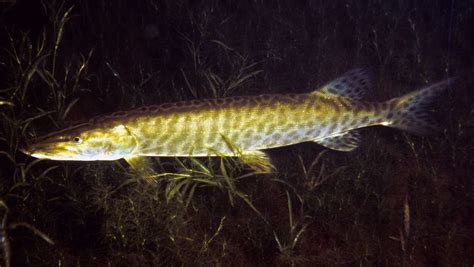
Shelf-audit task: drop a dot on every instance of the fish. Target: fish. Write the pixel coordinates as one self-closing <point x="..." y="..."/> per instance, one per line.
<point x="242" y="126"/>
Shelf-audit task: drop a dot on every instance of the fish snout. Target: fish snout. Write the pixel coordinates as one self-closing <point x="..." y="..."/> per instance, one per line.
<point x="40" y="149"/>
<point x="25" y="148"/>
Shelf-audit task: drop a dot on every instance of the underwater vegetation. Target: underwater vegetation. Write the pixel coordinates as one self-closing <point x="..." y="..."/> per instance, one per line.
<point x="397" y="199"/>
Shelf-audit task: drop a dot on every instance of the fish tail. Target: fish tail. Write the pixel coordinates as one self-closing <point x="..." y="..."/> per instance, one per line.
<point x="412" y="112"/>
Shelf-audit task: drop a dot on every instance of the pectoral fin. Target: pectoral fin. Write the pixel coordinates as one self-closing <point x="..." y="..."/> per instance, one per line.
<point x="142" y="165"/>
<point x="347" y="141"/>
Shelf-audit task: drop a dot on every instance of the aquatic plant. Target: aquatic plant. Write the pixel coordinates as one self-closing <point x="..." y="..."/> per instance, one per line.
<point x="397" y="200"/>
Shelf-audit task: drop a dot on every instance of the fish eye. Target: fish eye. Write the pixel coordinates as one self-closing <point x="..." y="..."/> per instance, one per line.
<point x="77" y="139"/>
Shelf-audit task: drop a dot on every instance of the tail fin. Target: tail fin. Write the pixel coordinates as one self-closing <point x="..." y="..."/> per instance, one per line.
<point x="411" y="111"/>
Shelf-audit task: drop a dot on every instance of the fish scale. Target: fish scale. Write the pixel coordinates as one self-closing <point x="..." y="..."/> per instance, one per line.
<point x="191" y="126"/>
<point x="329" y="116"/>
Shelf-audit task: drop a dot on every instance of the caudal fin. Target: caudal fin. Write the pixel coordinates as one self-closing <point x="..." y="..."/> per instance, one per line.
<point x="411" y="112"/>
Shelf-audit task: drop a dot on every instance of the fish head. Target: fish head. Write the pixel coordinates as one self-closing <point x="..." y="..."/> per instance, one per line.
<point x="84" y="143"/>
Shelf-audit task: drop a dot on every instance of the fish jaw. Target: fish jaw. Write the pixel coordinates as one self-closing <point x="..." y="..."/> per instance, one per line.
<point x="84" y="144"/>
<point x="63" y="152"/>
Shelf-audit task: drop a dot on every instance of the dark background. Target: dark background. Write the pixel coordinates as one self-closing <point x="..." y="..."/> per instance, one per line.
<point x="397" y="200"/>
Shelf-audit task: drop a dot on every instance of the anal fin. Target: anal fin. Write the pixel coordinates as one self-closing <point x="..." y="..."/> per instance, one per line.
<point x="142" y="165"/>
<point x="346" y="141"/>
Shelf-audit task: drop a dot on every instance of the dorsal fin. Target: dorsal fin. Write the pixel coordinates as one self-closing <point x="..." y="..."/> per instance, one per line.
<point x="353" y="84"/>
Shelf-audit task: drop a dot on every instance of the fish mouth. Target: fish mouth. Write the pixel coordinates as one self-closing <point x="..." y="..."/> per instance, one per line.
<point x="26" y="148"/>
<point x="47" y="150"/>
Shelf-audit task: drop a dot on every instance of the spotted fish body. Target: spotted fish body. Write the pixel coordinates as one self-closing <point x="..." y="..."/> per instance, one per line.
<point x="199" y="128"/>
<point x="329" y="116"/>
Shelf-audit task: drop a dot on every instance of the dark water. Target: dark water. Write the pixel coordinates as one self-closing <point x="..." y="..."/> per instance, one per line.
<point x="397" y="200"/>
